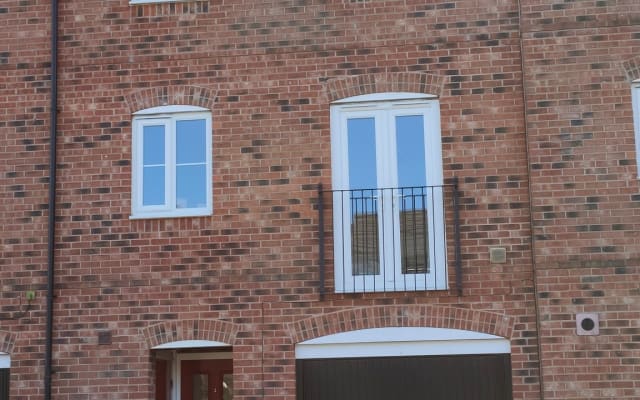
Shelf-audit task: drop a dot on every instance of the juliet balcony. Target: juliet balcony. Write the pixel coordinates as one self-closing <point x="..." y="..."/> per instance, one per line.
<point x="389" y="239"/>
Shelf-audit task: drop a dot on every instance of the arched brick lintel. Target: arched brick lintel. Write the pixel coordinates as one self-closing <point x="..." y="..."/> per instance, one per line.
<point x="171" y="95"/>
<point x="410" y="82"/>
<point x="631" y="68"/>
<point x="7" y="341"/>
<point x="401" y="316"/>
<point x="172" y="331"/>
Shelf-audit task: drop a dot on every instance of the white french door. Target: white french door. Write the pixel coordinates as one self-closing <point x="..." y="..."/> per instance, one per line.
<point x="388" y="219"/>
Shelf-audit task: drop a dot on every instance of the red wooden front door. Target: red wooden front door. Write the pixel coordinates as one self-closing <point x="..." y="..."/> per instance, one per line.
<point x="205" y="379"/>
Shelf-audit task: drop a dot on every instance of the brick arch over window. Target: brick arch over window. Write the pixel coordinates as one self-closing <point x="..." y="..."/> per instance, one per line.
<point x="411" y="82"/>
<point x="173" y="331"/>
<point x="172" y="95"/>
<point x="632" y="68"/>
<point x="401" y="316"/>
<point x="7" y="340"/>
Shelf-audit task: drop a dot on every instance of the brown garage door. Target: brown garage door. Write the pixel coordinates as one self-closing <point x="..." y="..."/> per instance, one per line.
<point x="456" y="377"/>
<point x="4" y="383"/>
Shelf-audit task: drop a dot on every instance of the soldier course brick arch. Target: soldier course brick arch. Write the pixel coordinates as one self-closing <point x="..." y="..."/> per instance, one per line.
<point x="401" y="316"/>
<point x="172" y="331"/>
<point x="411" y="82"/>
<point x="171" y="95"/>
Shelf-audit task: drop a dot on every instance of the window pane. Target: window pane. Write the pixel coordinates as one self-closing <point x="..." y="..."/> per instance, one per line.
<point x="153" y="182"/>
<point x="410" y="150"/>
<point x="412" y="173"/>
<point x="364" y="205"/>
<point x="190" y="141"/>
<point x="364" y="233"/>
<point x="191" y="183"/>
<point x="153" y="145"/>
<point x="362" y="153"/>
<point x="414" y="241"/>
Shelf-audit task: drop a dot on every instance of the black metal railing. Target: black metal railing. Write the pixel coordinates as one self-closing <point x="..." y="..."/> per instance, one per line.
<point x="389" y="239"/>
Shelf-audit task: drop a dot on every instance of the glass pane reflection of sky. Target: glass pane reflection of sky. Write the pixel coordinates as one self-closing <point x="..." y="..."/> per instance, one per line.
<point x="153" y="165"/>
<point x="362" y="153"/>
<point x="190" y="186"/>
<point x="190" y="141"/>
<point x="410" y="153"/>
<point x="191" y="173"/>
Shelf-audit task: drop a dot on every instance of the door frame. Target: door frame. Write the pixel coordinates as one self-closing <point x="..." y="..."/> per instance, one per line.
<point x="176" y="352"/>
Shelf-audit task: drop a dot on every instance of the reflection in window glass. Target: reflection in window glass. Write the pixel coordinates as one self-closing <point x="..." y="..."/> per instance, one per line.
<point x="200" y="387"/>
<point x="190" y="186"/>
<point x="153" y="191"/>
<point x="227" y="387"/>
<point x="153" y="165"/>
<point x="364" y="205"/>
<point x="190" y="142"/>
<point x="410" y="153"/>
<point x="362" y="153"/>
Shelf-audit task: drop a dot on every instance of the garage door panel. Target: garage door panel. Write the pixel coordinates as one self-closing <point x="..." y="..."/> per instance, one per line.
<point x="4" y="383"/>
<point x="458" y="377"/>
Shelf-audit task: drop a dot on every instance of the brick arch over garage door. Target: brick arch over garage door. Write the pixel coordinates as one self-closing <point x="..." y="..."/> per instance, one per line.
<point x="174" y="331"/>
<point x="401" y="316"/>
<point x="434" y="363"/>
<point x="408" y="82"/>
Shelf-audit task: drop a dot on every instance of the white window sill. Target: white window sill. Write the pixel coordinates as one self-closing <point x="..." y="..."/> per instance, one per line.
<point x="199" y="212"/>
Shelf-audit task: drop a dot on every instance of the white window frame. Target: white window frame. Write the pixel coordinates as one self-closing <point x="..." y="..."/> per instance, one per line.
<point x="385" y="106"/>
<point x="635" y="104"/>
<point x="168" y="116"/>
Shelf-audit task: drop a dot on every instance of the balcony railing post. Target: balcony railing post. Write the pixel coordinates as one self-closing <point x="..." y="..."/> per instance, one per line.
<point x="321" y="239"/>
<point x="456" y="235"/>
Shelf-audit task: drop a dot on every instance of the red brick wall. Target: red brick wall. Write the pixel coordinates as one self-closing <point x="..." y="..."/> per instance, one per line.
<point x="584" y="191"/>
<point x="268" y="70"/>
<point x="24" y="121"/>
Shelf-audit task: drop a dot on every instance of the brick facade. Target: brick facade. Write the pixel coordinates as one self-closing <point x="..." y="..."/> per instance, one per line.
<point x="536" y="123"/>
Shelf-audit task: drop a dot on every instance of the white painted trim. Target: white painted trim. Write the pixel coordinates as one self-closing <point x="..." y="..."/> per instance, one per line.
<point x="388" y="96"/>
<point x="635" y="104"/>
<point x="408" y="341"/>
<point x="190" y="344"/>
<point x="172" y="109"/>
<point x="5" y="360"/>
